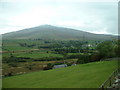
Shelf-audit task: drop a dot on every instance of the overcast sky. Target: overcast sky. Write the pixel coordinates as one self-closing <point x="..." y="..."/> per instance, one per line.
<point x="93" y="16"/>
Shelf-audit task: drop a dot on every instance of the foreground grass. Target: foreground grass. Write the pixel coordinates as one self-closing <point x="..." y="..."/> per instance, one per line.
<point x="90" y="75"/>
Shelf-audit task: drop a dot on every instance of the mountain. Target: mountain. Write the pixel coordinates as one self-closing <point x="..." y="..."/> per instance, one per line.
<point x="55" y="33"/>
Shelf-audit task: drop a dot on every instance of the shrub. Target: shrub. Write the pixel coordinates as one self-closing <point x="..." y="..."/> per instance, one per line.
<point x="79" y="61"/>
<point x="49" y="66"/>
<point x="12" y="64"/>
<point x="96" y="57"/>
<point x="9" y="74"/>
<point x="106" y="49"/>
<point x="83" y="59"/>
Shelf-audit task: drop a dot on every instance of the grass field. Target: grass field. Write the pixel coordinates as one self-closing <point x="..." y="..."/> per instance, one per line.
<point x="90" y="75"/>
<point x="35" y="54"/>
<point x="13" y="45"/>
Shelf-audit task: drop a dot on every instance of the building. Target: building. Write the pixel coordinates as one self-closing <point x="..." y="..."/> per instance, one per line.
<point x="73" y="64"/>
<point x="59" y="66"/>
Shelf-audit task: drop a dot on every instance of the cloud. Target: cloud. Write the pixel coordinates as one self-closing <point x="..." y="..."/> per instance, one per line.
<point x="96" y="17"/>
<point x="14" y="1"/>
<point x="36" y="16"/>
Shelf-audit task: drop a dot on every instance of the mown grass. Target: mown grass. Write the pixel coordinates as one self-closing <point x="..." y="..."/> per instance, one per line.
<point x="90" y="75"/>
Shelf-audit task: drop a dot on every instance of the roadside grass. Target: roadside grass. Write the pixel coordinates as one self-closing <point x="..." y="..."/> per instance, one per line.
<point x="90" y="75"/>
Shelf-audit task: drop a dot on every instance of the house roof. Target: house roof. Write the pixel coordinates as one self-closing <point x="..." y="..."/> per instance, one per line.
<point x="59" y="66"/>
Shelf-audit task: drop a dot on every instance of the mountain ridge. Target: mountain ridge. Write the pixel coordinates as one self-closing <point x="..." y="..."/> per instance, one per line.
<point x="53" y="32"/>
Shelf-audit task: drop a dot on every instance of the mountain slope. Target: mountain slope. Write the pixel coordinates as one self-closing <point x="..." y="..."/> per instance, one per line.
<point x="56" y="33"/>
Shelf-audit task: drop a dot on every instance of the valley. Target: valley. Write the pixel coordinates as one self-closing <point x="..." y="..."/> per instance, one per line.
<point x="35" y="51"/>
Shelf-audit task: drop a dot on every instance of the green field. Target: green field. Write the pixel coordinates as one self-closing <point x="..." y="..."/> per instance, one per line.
<point x="34" y="55"/>
<point x="13" y="45"/>
<point x="90" y="75"/>
<point x="39" y="55"/>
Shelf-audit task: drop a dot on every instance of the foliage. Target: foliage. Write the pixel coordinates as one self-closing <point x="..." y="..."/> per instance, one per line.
<point x="30" y="66"/>
<point x="15" y="59"/>
<point x="106" y="49"/>
<point x="49" y="66"/>
<point x="9" y="74"/>
<point x="85" y="58"/>
<point x="117" y="48"/>
<point x="95" y="57"/>
<point x="13" y="64"/>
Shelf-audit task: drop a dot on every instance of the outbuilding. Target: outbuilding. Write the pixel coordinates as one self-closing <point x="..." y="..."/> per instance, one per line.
<point x="59" y="66"/>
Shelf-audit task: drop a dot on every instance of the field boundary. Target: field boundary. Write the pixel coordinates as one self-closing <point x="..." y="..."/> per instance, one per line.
<point x="110" y="80"/>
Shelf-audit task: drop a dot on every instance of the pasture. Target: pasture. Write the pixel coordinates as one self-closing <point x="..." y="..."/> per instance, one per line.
<point x="34" y="54"/>
<point x="90" y="75"/>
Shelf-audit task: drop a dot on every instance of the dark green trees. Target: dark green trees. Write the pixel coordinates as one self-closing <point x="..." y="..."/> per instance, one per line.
<point x="83" y="59"/>
<point x="108" y="49"/>
<point x="117" y="48"/>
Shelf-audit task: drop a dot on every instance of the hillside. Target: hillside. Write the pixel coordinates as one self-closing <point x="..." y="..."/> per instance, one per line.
<point x="55" y="33"/>
<point x="90" y="75"/>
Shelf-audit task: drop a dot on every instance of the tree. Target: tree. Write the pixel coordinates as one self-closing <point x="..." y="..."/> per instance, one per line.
<point x="83" y="59"/>
<point x="117" y="48"/>
<point x="95" y="57"/>
<point x="106" y="49"/>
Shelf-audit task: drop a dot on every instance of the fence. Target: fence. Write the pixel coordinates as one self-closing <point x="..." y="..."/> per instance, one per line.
<point x="110" y="80"/>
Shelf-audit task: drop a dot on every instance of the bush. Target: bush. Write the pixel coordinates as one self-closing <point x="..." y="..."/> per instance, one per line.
<point x="69" y="63"/>
<point x="96" y="57"/>
<point x="83" y="59"/>
<point x="49" y="66"/>
<point x="15" y="59"/>
<point x="79" y="61"/>
<point x="46" y="68"/>
<point x="117" y="49"/>
<point x="72" y="56"/>
<point x="12" y="64"/>
<point x="9" y="74"/>
<point x="106" y="49"/>
<point x="48" y="59"/>
<point x="29" y="67"/>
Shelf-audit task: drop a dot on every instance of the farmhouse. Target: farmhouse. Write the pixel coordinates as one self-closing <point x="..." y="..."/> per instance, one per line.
<point x="59" y="66"/>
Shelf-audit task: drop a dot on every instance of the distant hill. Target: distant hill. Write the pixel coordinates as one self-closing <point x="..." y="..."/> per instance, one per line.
<point x="55" y="33"/>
